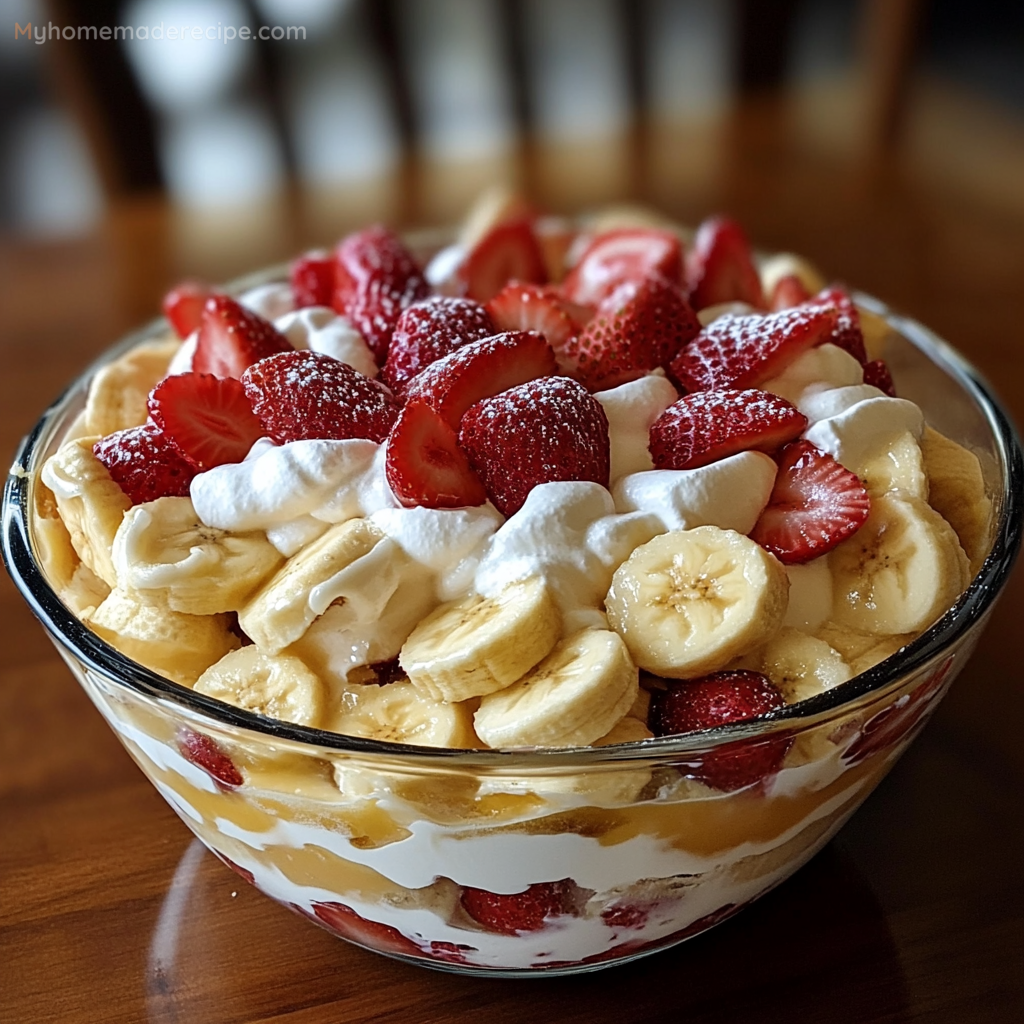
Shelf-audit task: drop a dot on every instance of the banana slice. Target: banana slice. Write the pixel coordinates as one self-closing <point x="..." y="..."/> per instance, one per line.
<point x="583" y="688"/>
<point x="119" y="392"/>
<point x="161" y="545"/>
<point x="899" y="468"/>
<point x="279" y="686"/>
<point x="400" y="713"/>
<point x="84" y="592"/>
<point x="90" y="503"/>
<point x="802" y="666"/>
<point x="283" y="608"/>
<point x="178" y="646"/>
<point x="690" y="601"/>
<point x="861" y="651"/>
<point x="958" y="493"/>
<point x="53" y="547"/>
<point x="478" y="645"/>
<point x="901" y="570"/>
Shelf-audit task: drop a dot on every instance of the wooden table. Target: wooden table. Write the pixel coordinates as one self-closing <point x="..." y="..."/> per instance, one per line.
<point x="110" y="912"/>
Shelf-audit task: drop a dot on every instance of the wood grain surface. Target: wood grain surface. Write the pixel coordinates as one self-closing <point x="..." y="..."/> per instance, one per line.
<point x="109" y="912"/>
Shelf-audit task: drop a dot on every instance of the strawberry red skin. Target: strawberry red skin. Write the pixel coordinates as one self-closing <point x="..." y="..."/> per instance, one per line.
<point x="720" y="267"/>
<point x="534" y="307"/>
<point x="710" y="425"/>
<point x="424" y="464"/>
<point x="740" y="352"/>
<point x="375" y="279"/>
<point x="815" y="505"/>
<point x="312" y="279"/>
<point x="876" y="373"/>
<point x="204" y="753"/>
<point x="546" y="430"/>
<point x="847" y="333"/>
<point x="232" y="338"/>
<point x="526" y="911"/>
<point x="789" y="291"/>
<point x="508" y="252"/>
<point x="430" y="330"/>
<point x="145" y="464"/>
<point x="715" y="700"/>
<point x="208" y="419"/>
<point x="620" y="256"/>
<point x="183" y="306"/>
<point x="638" y="328"/>
<point x="304" y="395"/>
<point x="481" y="369"/>
<point x="344" y="921"/>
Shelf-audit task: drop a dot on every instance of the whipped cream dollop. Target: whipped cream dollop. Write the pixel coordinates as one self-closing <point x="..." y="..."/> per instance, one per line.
<point x="818" y="369"/>
<point x="321" y="329"/>
<point x="269" y="301"/>
<point x="864" y="429"/>
<point x="631" y="408"/>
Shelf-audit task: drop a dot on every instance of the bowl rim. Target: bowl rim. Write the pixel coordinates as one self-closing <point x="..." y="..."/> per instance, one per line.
<point x="88" y="648"/>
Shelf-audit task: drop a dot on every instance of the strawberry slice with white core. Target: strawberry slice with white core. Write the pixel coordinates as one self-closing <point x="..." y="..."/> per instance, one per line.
<point x="625" y="254"/>
<point x="424" y="464"/>
<point x="232" y="338"/>
<point x="710" y="425"/>
<point x="208" y="418"/>
<point x="847" y="333"/>
<point x="639" y="327"/>
<point x="183" y="306"/>
<point x="481" y="369"/>
<point x="744" y="351"/>
<point x="815" y="505"/>
<point x="533" y="307"/>
<point x="788" y="291"/>
<point x="508" y="252"/>
<point x="720" y="267"/>
<point x="312" y="279"/>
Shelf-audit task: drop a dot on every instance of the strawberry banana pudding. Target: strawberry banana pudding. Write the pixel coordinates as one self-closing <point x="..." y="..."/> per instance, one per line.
<point x="561" y="488"/>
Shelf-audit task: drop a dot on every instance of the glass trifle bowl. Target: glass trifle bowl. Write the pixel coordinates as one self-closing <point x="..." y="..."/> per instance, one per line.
<point x="530" y="861"/>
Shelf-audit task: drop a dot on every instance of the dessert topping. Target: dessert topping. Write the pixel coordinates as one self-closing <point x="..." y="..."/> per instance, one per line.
<point x="183" y="306"/>
<point x="145" y="463"/>
<point x="312" y="279"/>
<point x="232" y="337"/>
<point x="720" y="266"/>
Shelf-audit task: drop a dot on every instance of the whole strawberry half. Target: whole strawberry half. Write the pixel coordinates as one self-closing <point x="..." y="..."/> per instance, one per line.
<point x="639" y="327"/>
<point x="481" y="369"/>
<point x="508" y="252"/>
<point x="715" y="700"/>
<point x="145" y="463"/>
<point x="424" y="464"/>
<point x="375" y="279"/>
<point x="548" y="429"/>
<point x="204" y="753"/>
<point x="720" y="266"/>
<point x="232" y="337"/>
<point x="710" y="425"/>
<point x="526" y="911"/>
<point x="183" y="306"/>
<point x="429" y="330"/>
<point x="876" y="373"/>
<point x="815" y="505"/>
<point x="534" y="307"/>
<point x="621" y="256"/>
<point x="846" y="333"/>
<point x="312" y="279"/>
<point x="304" y="395"/>
<point x="344" y="921"/>
<point x="208" y="419"/>
<point x="745" y="351"/>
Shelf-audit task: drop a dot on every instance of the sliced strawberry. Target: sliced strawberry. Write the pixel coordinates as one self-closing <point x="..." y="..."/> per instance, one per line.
<point x="312" y="279"/>
<point x="545" y="430"/>
<point x="620" y="256"/>
<point x="720" y="267"/>
<point x="876" y="373"/>
<point x="847" y="333"/>
<point x="204" y="753"/>
<point x="710" y="425"/>
<point x="788" y="291"/>
<point x="232" y="337"/>
<point x="534" y="307"/>
<point x="526" y="911"/>
<point x="638" y="328"/>
<point x="815" y="504"/>
<point x="508" y="252"/>
<point x="344" y="921"/>
<point x="208" y="419"/>
<point x="744" y="351"/>
<point x="424" y="464"/>
<point x="428" y="330"/>
<point x="145" y="464"/>
<point x="715" y="700"/>
<point x="481" y="369"/>
<point x="183" y="306"/>
<point x="304" y="395"/>
<point x="375" y="278"/>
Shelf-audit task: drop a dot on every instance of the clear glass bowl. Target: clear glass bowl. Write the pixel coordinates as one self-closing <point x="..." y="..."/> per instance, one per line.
<point x="384" y="844"/>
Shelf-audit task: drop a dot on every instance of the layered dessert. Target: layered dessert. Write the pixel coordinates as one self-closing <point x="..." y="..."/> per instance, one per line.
<point x="572" y="487"/>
